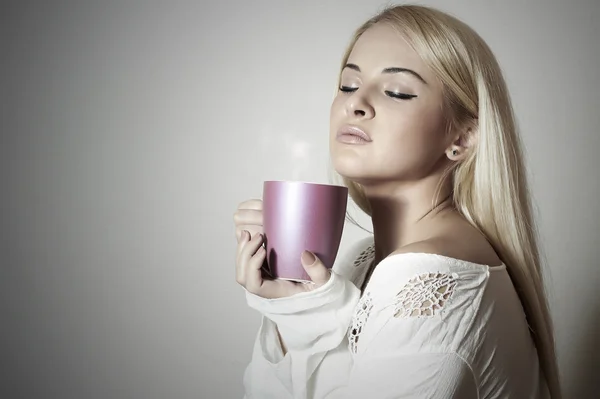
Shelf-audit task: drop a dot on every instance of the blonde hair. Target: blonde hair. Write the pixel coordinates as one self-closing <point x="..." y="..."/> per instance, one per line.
<point x="490" y="186"/>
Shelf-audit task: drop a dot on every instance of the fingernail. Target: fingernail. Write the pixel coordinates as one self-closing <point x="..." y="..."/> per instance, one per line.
<point x="308" y="258"/>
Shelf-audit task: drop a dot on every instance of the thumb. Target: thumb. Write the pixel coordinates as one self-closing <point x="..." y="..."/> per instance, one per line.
<point x="316" y="270"/>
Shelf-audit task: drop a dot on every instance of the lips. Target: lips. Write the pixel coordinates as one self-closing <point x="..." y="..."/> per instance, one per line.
<point x="353" y="134"/>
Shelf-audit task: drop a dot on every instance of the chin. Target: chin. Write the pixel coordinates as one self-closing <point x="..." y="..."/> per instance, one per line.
<point x="350" y="168"/>
<point x="352" y="162"/>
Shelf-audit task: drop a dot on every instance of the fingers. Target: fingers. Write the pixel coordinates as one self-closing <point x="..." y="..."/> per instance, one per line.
<point x="249" y="217"/>
<point x="250" y="257"/>
<point x="251" y="221"/>
<point x="316" y="270"/>
<point x="251" y="273"/>
<point x="249" y="246"/>
<point x="254" y="278"/>
<point x="252" y="204"/>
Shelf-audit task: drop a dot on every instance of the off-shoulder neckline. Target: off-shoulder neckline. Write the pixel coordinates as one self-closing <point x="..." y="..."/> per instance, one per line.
<point x="446" y="259"/>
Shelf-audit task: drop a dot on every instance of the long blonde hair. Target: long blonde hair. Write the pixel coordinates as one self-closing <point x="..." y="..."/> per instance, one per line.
<point x="490" y="186"/>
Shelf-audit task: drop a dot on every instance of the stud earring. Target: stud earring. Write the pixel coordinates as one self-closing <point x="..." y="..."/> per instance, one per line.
<point x="455" y="152"/>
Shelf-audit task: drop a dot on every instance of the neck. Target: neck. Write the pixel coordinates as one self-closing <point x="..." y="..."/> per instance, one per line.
<point x="402" y="214"/>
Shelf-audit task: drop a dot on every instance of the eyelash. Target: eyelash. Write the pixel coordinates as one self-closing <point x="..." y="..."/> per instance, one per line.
<point x="393" y="94"/>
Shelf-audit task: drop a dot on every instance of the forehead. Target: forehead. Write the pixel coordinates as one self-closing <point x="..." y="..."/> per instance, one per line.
<point x="382" y="46"/>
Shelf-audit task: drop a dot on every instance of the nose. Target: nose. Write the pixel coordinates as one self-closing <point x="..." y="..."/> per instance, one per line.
<point x="358" y="107"/>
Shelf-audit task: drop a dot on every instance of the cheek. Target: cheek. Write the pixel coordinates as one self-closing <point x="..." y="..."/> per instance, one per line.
<point x="421" y="127"/>
<point x="415" y="138"/>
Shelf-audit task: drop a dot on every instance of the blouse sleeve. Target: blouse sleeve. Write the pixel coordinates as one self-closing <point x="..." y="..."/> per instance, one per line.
<point x="311" y="324"/>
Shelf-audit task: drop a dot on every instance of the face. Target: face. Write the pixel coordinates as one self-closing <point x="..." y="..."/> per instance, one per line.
<point x="388" y="93"/>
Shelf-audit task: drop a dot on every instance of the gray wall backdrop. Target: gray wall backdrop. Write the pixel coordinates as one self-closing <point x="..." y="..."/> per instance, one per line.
<point x="130" y="131"/>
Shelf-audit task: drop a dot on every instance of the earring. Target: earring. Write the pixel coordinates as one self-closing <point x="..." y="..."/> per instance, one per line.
<point x="455" y="152"/>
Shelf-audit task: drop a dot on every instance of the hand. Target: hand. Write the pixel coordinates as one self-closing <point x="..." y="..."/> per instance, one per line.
<point x="248" y="216"/>
<point x="249" y="272"/>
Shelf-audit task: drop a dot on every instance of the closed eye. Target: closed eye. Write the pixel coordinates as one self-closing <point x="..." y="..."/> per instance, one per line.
<point x="402" y="96"/>
<point x="347" y="89"/>
<point x="393" y="94"/>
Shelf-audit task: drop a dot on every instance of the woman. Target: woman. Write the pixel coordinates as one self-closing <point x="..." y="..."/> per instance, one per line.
<point x="447" y="299"/>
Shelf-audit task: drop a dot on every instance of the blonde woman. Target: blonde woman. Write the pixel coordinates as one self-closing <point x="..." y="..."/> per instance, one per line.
<point x="447" y="299"/>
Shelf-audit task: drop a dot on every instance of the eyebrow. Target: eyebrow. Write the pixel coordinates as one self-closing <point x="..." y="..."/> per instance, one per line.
<point x="391" y="70"/>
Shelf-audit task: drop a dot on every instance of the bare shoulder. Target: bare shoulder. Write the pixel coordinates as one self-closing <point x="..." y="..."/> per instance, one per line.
<point x="457" y="239"/>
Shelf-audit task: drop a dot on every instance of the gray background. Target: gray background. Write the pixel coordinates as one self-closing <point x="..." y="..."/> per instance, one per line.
<point x="130" y="131"/>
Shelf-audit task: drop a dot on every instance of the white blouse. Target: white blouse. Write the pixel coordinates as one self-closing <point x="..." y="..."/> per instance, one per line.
<point x="427" y="326"/>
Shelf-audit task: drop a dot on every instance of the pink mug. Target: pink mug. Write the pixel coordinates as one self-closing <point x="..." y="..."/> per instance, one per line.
<point x="299" y="216"/>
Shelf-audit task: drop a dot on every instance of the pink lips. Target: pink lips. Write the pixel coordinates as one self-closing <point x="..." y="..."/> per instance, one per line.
<point x="352" y="135"/>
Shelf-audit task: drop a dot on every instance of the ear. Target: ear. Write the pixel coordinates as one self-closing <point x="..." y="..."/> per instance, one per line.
<point x="464" y="142"/>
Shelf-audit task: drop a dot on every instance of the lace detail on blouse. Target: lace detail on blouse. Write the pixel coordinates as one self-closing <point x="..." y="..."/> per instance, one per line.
<point x="365" y="256"/>
<point x="424" y="295"/>
<point x="361" y="315"/>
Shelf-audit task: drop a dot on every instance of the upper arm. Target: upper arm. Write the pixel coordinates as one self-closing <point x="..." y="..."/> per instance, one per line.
<point x="411" y="330"/>
<point x="418" y="375"/>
